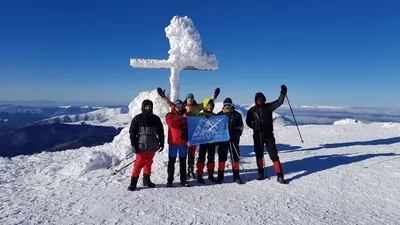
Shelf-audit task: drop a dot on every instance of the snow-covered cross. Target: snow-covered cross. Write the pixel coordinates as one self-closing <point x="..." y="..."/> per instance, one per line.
<point x="186" y="53"/>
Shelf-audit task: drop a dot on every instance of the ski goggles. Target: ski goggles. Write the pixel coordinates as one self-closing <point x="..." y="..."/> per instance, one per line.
<point x="227" y="105"/>
<point x="178" y="105"/>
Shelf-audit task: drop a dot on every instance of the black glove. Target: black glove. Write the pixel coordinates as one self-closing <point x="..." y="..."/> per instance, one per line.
<point x="161" y="92"/>
<point x="216" y="93"/>
<point x="283" y="89"/>
<point x="238" y="136"/>
<point x="135" y="148"/>
<point x="161" y="147"/>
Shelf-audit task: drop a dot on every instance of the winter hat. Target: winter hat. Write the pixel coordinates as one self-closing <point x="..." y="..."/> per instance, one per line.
<point x="228" y="101"/>
<point x="189" y="95"/>
<point x="208" y="101"/>
<point x="178" y="102"/>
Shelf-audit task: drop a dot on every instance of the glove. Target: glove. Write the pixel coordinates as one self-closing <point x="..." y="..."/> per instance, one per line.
<point x="283" y="89"/>
<point x="161" y="92"/>
<point x="216" y="92"/>
<point x="135" y="148"/>
<point x="238" y="136"/>
<point x="161" y="147"/>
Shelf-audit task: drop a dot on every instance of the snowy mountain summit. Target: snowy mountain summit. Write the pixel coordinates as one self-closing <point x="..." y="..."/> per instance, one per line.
<point x="345" y="174"/>
<point x="335" y="177"/>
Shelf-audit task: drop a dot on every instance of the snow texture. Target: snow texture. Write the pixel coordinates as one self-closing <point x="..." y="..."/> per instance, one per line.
<point x="150" y="63"/>
<point x="347" y="121"/>
<point x="185" y="44"/>
<point x="341" y="175"/>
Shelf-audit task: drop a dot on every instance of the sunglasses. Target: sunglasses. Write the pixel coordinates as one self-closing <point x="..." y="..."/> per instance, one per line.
<point x="227" y="105"/>
<point x="178" y="105"/>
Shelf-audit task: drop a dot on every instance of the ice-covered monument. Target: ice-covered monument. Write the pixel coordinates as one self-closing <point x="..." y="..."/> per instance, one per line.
<point x="185" y="53"/>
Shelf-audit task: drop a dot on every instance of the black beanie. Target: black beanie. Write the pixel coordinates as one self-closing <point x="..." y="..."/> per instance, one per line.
<point x="228" y="101"/>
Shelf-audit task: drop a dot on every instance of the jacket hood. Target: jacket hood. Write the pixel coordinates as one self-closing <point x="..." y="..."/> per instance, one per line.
<point x="207" y="101"/>
<point x="147" y="102"/>
<point x="259" y="94"/>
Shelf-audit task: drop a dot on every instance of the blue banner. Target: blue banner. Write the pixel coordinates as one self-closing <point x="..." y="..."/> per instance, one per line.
<point x="202" y="130"/>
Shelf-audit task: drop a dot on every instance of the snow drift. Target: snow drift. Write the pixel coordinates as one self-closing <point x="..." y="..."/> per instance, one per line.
<point x="347" y="121"/>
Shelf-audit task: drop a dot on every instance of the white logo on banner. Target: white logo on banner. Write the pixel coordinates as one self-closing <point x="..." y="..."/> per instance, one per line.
<point x="210" y="129"/>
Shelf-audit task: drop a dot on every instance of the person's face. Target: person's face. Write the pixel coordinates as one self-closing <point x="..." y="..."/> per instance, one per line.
<point x="227" y="107"/>
<point x="260" y="101"/>
<point x="147" y="108"/>
<point x="209" y="107"/>
<point x="189" y="101"/>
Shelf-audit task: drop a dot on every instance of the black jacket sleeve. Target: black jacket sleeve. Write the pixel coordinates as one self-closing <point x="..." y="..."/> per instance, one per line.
<point x="275" y="104"/>
<point x="249" y="118"/>
<point x="160" y="131"/>
<point x="239" y="124"/>
<point x="133" y="131"/>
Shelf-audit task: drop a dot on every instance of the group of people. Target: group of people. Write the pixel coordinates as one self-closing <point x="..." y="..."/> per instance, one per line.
<point x="147" y="137"/>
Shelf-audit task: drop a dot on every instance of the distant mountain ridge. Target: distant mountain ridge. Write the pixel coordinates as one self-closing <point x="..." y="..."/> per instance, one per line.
<point x="32" y="139"/>
<point x="116" y="117"/>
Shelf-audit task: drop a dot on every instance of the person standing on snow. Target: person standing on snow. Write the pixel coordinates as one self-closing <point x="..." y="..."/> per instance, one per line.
<point x="208" y="148"/>
<point x="259" y="118"/>
<point x="147" y="137"/>
<point x="235" y="126"/>
<point x="177" y="138"/>
<point x="192" y="109"/>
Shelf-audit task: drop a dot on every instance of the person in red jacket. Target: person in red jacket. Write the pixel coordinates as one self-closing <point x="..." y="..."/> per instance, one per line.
<point x="177" y="138"/>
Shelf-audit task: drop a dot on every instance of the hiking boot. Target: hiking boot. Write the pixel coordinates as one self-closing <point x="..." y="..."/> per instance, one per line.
<point x="147" y="182"/>
<point x="220" y="178"/>
<point x="200" y="179"/>
<point x="133" y="184"/>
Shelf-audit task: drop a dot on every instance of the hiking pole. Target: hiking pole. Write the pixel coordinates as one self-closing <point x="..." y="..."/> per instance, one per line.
<point x="240" y="160"/>
<point x="294" y="119"/>
<point x="264" y="168"/>
<point x="119" y="162"/>
<point x="118" y="170"/>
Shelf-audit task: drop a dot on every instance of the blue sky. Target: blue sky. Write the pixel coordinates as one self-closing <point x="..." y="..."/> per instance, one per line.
<point x="327" y="52"/>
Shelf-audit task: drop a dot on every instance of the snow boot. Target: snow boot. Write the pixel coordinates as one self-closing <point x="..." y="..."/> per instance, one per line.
<point x="190" y="173"/>
<point x="280" y="178"/>
<point x="133" y="184"/>
<point x="236" y="177"/>
<point x="260" y="175"/>
<point x="147" y="182"/>
<point x="182" y="171"/>
<point x="220" y="178"/>
<point x="170" y="179"/>
<point x="170" y="171"/>
<point x="212" y="178"/>
<point x="185" y="183"/>
<point x="200" y="179"/>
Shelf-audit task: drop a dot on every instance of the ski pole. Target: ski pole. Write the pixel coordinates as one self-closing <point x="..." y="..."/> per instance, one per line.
<point x="118" y="170"/>
<point x="294" y="119"/>
<point x="262" y="145"/>
<point x="240" y="160"/>
<point x="119" y="162"/>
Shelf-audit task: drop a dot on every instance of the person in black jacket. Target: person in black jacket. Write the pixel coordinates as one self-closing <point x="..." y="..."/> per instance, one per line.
<point x="259" y="118"/>
<point x="235" y="126"/>
<point x="147" y="137"/>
